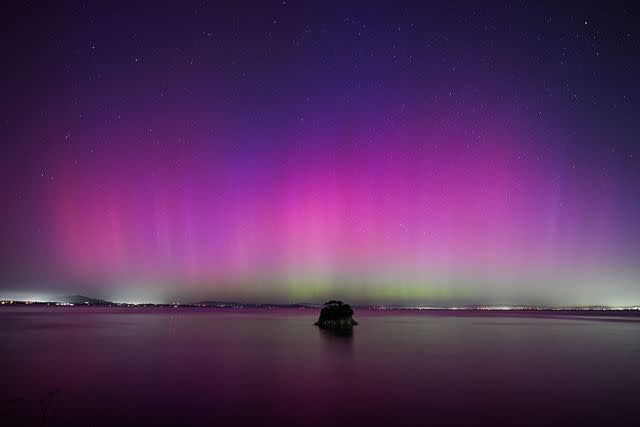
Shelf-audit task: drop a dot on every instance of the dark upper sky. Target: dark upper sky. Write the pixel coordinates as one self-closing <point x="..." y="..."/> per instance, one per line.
<point x="387" y="151"/>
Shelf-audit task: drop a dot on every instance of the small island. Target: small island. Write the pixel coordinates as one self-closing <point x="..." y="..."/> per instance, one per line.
<point x="336" y="315"/>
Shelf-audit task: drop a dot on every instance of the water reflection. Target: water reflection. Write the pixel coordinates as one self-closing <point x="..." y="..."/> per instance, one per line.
<point x="337" y="343"/>
<point x="393" y="369"/>
<point x="344" y="333"/>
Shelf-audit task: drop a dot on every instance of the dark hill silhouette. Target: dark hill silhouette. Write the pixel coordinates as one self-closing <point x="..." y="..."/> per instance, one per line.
<point x="81" y="299"/>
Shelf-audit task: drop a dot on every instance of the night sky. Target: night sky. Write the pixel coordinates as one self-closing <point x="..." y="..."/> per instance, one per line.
<point x="383" y="152"/>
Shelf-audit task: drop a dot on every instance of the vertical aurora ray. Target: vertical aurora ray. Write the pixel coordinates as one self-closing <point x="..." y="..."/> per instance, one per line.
<point x="418" y="213"/>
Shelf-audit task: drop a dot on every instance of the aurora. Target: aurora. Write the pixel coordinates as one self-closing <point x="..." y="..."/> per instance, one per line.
<point x="371" y="157"/>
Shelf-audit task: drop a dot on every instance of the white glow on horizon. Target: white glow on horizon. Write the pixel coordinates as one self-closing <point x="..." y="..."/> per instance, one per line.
<point x="27" y="296"/>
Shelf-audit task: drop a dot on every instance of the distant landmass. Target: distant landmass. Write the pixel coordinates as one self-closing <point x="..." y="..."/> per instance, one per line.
<point x="228" y="304"/>
<point x="81" y="300"/>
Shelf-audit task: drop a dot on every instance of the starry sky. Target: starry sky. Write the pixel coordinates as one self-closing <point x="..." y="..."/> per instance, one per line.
<point x="379" y="152"/>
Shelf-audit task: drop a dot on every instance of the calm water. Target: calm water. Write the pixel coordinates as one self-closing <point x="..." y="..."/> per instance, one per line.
<point x="116" y="366"/>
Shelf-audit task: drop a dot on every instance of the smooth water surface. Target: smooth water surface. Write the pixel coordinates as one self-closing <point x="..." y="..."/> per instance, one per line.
<point x="133" y="366"/>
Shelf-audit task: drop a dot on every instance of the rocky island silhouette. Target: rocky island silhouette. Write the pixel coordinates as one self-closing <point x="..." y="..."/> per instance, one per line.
<point x="336" y="315"/>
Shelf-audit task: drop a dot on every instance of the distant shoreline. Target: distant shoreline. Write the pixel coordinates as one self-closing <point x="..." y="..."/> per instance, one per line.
<point x="593" y="310"/>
